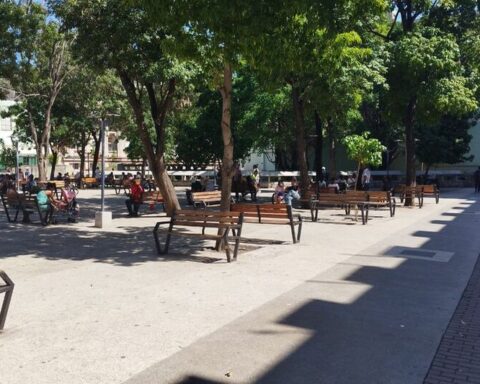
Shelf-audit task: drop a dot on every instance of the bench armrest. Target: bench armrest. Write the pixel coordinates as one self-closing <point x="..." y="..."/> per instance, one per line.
<point x="157" y="225"/>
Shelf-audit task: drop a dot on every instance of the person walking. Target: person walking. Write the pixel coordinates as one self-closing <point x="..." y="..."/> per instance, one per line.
<point x="476" y="176"/>
<point x="255" y="185"/>
<point x="366" y="176"/>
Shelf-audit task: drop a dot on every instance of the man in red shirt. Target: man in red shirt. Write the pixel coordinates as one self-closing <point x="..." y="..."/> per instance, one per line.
<point x="135" y="197"/>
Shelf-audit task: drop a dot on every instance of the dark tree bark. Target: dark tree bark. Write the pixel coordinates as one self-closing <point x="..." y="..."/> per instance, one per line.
<point x="96" y="151"/>
<point x="332" y="150"/>
<point x="154" y="154"/>
<point x="410" y="156"/>
<point x="318" y="148"/>
<point x="227" y="161"/>
<point x="54" y="164"/>
<point x="84" y="138"/>
<point x="299" y="111"/>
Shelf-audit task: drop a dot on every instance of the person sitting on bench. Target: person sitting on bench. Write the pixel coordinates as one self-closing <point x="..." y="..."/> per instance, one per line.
<point x="135" y="197"/>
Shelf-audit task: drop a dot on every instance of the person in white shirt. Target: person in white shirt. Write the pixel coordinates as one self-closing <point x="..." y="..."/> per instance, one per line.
<point x="366" y="176"/>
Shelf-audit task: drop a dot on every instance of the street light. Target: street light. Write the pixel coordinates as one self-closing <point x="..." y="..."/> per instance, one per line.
<point x="103" y="218"/>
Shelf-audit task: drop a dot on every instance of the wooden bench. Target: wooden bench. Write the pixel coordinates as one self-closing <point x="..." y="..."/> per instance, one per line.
<point x="29" y="206"/>
<point x="118" y="185"/>
<point x="206" y="199"/>
<point x="59" y="185"/>
<point x="11" y="206"/>
<point x="89" y="181"/>
<point x="342" y="200"/>
<point x="153" y="198"/>
<point x="404" y="192"/>
<point x="381" y="199"/>
<point x="222" y="222"/>
<point x="15" y="202"/>
<point x="270" y="214"/>
<point x="431" y="190"/>
<point x="6" y="288"/>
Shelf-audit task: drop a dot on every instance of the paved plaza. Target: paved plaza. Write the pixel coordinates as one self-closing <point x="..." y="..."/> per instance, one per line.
<point x="380" y="303"/>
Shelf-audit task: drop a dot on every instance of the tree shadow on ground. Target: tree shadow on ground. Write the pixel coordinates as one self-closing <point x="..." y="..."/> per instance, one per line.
<point x="388" y="330"/>
<point x="129" y="247"/>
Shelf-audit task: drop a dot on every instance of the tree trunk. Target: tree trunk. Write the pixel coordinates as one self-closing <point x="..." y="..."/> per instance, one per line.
<point x="156" y="161"/>
<point x="42" y="164"/>
<point x="298" y="108"/>
<point x="332" y="151"/>
<point x="144" y="164"/>
<point x="81" y="153"/>
<point x="227" y="160"/>
<point x="425" y="175"/>
<point x="54" y="164"/>
<point x="96" y="153"/>
<point x="318" y="148"/>
<point x="410" y="157"/>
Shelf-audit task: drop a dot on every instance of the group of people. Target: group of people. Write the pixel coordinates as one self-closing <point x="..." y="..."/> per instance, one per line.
<point x="250" y="184"/>
<point x="284" y="194"/>
<point x="46" y="198"/>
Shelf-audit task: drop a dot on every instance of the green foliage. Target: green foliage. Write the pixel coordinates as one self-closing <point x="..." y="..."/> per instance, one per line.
<point x="446" y="142"/>
<point x="425" y="67"/>
<point x="8" y="156"/>
<point x="255" y="115"/>
<point x="364" y="150"/>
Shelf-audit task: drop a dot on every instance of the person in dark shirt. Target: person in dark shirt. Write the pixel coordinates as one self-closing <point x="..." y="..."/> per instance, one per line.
<point x="477" y="179"/>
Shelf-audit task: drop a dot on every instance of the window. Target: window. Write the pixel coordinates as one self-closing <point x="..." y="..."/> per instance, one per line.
<point x="5" y="125"/>
<point x="112" y="143"/>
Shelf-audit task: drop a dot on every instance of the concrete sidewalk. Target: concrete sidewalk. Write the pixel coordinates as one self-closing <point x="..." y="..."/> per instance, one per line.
<point x="349" y="304"/>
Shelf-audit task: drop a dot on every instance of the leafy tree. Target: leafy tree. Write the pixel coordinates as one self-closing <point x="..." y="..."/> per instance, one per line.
<point x="364" y="150"/>
<point x="446" y="142"/>
<point x="320" y="53"/>
<point x="8" y="155"/>
<point x="117" y="36"/>
<point x="426" y="82"/>
<point x="255" y="112"/>
<point x="216" y="35"/>
<point x="427" y="78"/>
<point x="38" y="72"/>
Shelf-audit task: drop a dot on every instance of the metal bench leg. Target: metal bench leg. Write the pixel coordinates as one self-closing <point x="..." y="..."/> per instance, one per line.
<point x="226" y="245"/>
<point x="362" y="210"/>
<point x="299" y="231"/>
<point x="8" y="289"/>
<point x="161" y="251"/>
<point x="292" y="227"/>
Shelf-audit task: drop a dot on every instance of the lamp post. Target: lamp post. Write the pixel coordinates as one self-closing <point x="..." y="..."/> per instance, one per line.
<point x="103" y="218"/>
<point x="102" y="138"/>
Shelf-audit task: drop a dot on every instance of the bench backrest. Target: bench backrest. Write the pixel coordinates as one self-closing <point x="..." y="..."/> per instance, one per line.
<point x="210" y="196"/>
<point x="199" y="218"/>
<point x="328" y="190"/>
<point x="89" y="180"/>
<point x="334" y="197"/>
<point x="379" y="196"/>
<point x="29" y="202"/>
<point x="58" y="183"/>
<point x="428" y="188"/>
<point x="272" y="212"/>
<point x="356" y="195"/>
<point x="10" y="198"/>
<point x="152" y="197"/>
